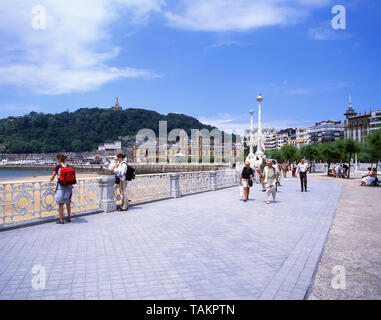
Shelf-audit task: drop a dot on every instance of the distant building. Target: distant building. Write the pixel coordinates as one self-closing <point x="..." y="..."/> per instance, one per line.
<point x="375" y="120"/>
<point x="303" y="137"/>
<point x="285" y="137"/>
<point x="110" y="146"/>
<point x="271" y="137"/>
<point x="117" y="106"/>
<point x="327" y="131"/>
<point x="358" y="126"/>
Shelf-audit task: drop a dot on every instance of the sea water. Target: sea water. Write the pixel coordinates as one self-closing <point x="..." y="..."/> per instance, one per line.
<point x="20" y="173"/>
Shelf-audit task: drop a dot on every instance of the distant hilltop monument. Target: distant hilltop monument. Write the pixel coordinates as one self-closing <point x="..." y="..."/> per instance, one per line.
<point x="117" y="105"/>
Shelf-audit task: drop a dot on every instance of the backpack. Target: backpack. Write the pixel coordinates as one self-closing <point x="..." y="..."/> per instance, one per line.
<point x="130" y="173"/>
<point x="67" y="176"/>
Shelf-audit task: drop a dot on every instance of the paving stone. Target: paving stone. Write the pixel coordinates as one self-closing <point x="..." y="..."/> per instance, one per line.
<point x="204" y="246"/>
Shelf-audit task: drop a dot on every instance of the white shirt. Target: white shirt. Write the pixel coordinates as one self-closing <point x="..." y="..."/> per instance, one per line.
<point x="122" y="169"/>
<point x="270" y="176"/>
<point x="302" y="167"/>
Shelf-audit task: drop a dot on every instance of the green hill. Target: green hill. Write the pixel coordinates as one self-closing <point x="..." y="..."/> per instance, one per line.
<point x="83" y="129"/>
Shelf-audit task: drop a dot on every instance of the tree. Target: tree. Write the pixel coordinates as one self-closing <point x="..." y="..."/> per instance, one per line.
<point x="330" y="153"/>
<point x="290" y="153"/>
<point x="310" y="152"/>
<point x="84" y="129"/>
<point x="373" y="145"/>
<point x="350" y="148"/>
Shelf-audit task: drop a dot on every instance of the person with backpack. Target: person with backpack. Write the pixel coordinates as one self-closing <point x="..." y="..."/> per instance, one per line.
<point x="64" y="190"/>
<point x="269" y="179"/>
<point x="123" y="173"/>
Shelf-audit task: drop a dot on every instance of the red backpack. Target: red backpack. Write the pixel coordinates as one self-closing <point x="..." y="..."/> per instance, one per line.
<point x="67" y="176"/>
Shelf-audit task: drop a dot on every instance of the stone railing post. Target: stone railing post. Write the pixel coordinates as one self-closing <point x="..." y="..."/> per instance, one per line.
<point x="108" y="203"/>
<point x="175" y="185"/>
<point x="213" y="180"/>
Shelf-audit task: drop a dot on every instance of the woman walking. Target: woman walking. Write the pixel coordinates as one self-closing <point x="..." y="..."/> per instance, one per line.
<point x="294" y="166"/>
<point x="269" y="174"/>
<point x="64" y="189"/>
<point x="246" y="179"/>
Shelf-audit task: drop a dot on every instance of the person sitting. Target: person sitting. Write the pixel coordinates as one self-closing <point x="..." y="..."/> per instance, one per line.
<point x="370" y="180"/>
<point x="367" y="174"/>
<point x="337" y="171"/>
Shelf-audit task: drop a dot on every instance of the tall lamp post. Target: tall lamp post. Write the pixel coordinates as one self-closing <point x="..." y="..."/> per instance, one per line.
<point x="251" y="139"/>
<point x="259" y="152"/>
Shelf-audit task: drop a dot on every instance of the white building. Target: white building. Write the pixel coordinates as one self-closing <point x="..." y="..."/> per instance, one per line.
<point x="270" y="138"/>
<point x="282" y="140"/>
<point x="375" y="120"/>
<point x="110" y="146"/>
<point x="303" y="137"/>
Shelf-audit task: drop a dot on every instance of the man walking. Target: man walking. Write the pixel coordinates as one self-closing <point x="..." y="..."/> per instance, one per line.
<point x="269" y="180"/>
<point x="302" y="170"/>
<point x="261" y="171"/>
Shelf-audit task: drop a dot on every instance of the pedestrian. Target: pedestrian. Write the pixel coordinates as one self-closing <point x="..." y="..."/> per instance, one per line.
<point x="302" y="170"/>
<point x="276" y="166"/>
<point x="269" y="177"/>
<point x="261" y="168"/>
<point x="257" y="165"/>
<point x="121" y="180"/>
<point x="246" y="179"/>
<point x="64" y="189"/>
<point x="294" y="167"/>
<point x="285" y="169"/>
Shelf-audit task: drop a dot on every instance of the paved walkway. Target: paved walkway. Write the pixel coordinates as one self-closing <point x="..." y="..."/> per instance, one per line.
<point x="354" y="244"/>
<point x="205" y="246"/>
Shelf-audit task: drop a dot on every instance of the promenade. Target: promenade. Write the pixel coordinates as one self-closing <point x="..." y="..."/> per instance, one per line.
<point x="354" y="244"/>
<point x="203" y="246"/>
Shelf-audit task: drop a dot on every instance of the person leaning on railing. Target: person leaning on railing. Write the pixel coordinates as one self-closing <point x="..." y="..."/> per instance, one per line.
<point x="64" y="190"/>
<point x="120" y="173"/>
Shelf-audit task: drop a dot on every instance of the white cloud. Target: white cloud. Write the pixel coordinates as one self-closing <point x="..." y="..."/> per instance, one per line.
<point x="240" y="122"/>
<point x="325" y="32"/>
<point x="240" y="15"/>
<point x="72" y="53"/>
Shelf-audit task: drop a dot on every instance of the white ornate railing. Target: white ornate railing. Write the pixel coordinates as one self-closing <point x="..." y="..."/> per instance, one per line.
<point x="227" y="178"/>
<point x="147" y="187"/>
<point x="22" y="202"/>
<point x="195" y="182"/>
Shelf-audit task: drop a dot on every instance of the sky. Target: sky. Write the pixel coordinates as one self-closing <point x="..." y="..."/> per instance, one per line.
<point x="207" y="59"/>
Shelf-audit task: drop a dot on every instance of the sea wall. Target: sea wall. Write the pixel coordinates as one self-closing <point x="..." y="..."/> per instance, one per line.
<point x="140" y="168"/>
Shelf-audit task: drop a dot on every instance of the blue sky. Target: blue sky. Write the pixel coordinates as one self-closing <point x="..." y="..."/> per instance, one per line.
<point x="207" y="59"/>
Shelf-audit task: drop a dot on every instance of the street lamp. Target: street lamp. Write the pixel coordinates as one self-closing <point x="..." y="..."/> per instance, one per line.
<point x="259" y="152"/>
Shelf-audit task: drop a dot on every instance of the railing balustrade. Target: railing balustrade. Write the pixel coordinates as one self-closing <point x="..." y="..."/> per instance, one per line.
<point x="22" y="202"/>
